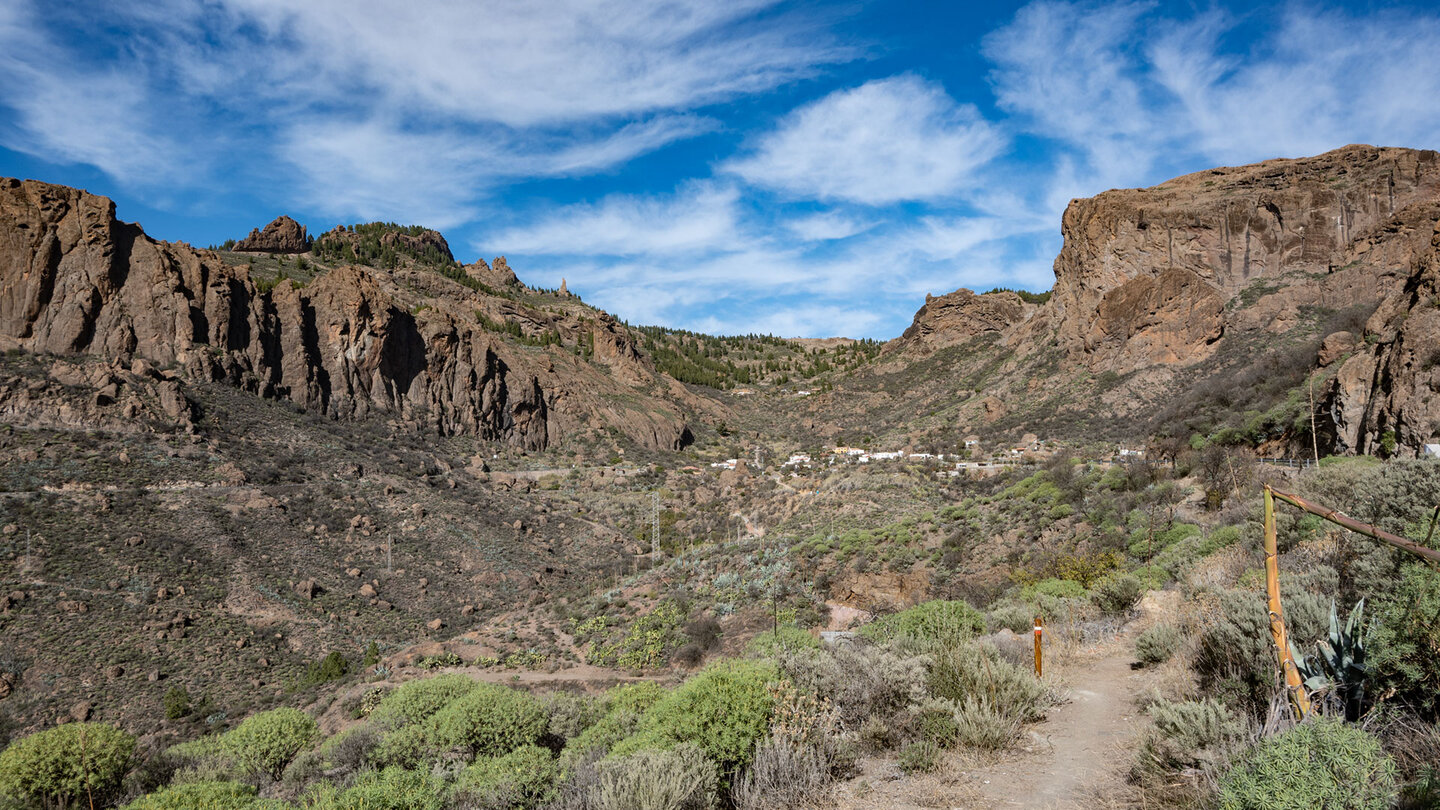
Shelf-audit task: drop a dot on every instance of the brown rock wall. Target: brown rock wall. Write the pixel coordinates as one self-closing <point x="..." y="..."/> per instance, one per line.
<point x="74" y="280"/>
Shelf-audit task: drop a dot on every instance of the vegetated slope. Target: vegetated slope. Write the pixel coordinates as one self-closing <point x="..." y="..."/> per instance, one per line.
<point x="228" y="555"/>
<point x="1197" y="307"/>
<point x="728" y="361"/>
<point x="407" y="342"/>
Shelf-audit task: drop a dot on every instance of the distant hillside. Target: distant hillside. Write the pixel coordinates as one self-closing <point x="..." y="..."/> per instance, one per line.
<point x="1213" y="307"/>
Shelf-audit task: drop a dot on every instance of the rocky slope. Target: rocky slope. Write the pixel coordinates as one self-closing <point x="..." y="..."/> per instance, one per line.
<point x="406" y="344"/>
<point x="1208" y="304"/>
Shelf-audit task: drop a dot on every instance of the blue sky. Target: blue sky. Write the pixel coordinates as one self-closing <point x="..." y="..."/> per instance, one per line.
<point x="803" y="169"/>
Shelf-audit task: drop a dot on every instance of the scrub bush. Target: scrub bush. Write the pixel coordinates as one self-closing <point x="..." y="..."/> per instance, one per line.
<point x="66" y="765"/>
<point x="268" y="741"/>
<point x="1320" y="763"/>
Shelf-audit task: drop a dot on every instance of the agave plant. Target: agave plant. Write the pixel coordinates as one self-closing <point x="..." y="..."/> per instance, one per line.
<point x="1339" y="664"/>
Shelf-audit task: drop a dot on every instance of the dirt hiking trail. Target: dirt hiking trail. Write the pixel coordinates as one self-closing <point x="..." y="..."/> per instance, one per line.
<point x="1074" y="759"/>
<point x="1077" y="754"/>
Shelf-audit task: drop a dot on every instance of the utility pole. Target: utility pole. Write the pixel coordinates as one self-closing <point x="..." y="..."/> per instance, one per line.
<point x="1314" y="439"/>
<point x="655" y="526"/>
<point x="389" y="562"/>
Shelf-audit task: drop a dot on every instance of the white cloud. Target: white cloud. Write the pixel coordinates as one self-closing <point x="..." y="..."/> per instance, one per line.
<point x="826" y="226"/>
<point x="1321" y="80"/>
<point x="809" y="320"/>
<point x="382" y="169"/>
<point x="541" y="62"/>
<point x="66" y="114"/>
<point x="486" y="92"/>
<point x="887" y="141"/>
<point x="1131" y="91"/>
<point x="700" y="217"/>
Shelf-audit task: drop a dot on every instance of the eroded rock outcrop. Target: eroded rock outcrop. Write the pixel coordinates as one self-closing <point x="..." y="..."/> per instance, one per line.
<point x="284" y="235"/>
<point x="1145" y="275"/>
<point x="356" y="342"/>
<point x="1386" y="395"/>
<point x="957" y="317"/>
<point x="498" y="276"/>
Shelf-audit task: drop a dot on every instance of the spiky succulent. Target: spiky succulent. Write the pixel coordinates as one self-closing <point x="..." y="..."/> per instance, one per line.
<point x="1339" y="664"/>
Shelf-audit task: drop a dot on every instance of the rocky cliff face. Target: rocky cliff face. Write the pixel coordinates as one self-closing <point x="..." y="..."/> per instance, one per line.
<point x="356" y="342"/>
<point x="1216" y="292"/>
<point x="284" y="235"/>
<point x="1145" y="275"/>
<point x="1386" y="395"/>
<point x="959" y="316"/>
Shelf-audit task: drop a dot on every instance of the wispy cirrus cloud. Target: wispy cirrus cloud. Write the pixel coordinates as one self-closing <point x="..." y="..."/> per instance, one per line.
<point x="366" y="108"/>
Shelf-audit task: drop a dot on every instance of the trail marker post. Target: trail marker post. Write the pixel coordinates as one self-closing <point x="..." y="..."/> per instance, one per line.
<point x="1039" y="629"/>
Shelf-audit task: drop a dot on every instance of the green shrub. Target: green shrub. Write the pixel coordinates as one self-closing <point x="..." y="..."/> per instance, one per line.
<point x="724" y="710"/>
<point x="176" y="703"/>
<point x="1196" y="725"/>
<point x="682" y="778"/>
<point x="489" y="720"/>
<point x="201" y="760"/>
<point x="921" y="756"/>
<point x="519" y="780"/>
<point x="970" y="672"/>
<point x="944" y="622"/>
<point x="407" y="747"/>
<point x="1157" y="643"/>
<point x="1235" y="655"/>
<point x="935" y="721"/>
<point x="1011" y="615"/>
<point x="1223" y="537"/>
<point x="789" y="637"/>
<point x="203" y="795"/>
<point x="633" y="697"/>
<point x="981" y="723"/>
<point x="786" y="773"/>
<point x="1185" y="734"/>
<point x="390" y="789"/>
<point x="440" y="661"/>
<point x="567" y="715"/>
<point x="1117" y="594"/>
<point x="1322" y="763"/>
<point x="1055" y="588"/>
<point x="65" y="764"/>
<point x="623" y="706"/>
<point x="268" y="741"/>
<point x="859" y="683"/>
<point x="416" y="701"/>
<point x="332" y="667"/>
<point x="1404" y="646"/>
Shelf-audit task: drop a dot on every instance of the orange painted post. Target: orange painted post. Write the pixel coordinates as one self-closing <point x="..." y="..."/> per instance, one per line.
<point x="1293" y="683"/>
<point x="1039" y="628"/>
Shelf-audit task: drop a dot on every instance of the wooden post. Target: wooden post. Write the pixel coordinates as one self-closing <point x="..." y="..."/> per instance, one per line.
<point x="1039" y="628"/>
<point x="1430" y="555"/>
<point x="1293" y="683"/>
